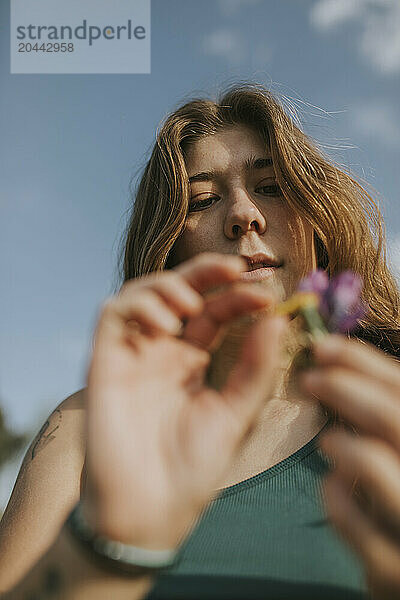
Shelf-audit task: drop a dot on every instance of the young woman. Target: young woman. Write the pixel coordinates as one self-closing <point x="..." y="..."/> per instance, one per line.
<point x="237" y="178"/>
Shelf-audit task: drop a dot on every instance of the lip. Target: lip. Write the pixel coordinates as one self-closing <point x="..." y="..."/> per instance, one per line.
<point x="258" y="274"/>
<point x="261" y="257"/>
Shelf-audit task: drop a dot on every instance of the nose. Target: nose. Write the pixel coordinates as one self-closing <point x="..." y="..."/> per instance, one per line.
<point x="243" y="215"/>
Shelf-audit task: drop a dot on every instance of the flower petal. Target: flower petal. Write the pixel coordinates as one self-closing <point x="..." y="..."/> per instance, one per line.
<point x="317" y="281"/>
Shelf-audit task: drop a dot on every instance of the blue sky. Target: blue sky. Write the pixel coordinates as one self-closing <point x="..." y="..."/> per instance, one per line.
<point x="69" y="145"/>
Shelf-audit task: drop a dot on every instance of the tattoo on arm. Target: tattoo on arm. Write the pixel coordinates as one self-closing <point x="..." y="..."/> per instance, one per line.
<point x="46" y="434"/>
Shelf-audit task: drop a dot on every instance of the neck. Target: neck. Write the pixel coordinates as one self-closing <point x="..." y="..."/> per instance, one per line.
<point x="226" y="355"/>
<point x="287" y="420"/>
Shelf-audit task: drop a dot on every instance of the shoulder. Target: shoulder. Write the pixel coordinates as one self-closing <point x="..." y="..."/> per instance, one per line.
<point x="54" y="459"/>
<point x="47" y="486"/>
<point x="63" y="426"/>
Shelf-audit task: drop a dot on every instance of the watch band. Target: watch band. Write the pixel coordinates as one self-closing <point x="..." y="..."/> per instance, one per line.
<point x="116" y="554"/>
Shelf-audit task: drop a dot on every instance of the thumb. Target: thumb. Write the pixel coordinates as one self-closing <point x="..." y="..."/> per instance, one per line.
<point x="251" y="380"/>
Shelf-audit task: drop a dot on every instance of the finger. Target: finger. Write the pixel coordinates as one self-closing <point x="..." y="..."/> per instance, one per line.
<point x="180" y="287"/>
<point x="251" y="381"/>
<point x="194" y="276"/>
<point x="206" y="329"/>
<point x="146" y="309"/>
<point x="362" y="357"/>
<point x="359" y="399"/>
<point x="380" y="554"/>
<point x="124" y="318"/>
<point x="158" y="301"/>
<point x="209" y="269"/>
<point x="375" y="466"/>
<point x="172" y="288"/>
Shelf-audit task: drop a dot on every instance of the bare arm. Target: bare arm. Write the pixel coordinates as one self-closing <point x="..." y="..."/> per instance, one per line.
<point x="67" y="573"/>
<point x="46" y="489"/>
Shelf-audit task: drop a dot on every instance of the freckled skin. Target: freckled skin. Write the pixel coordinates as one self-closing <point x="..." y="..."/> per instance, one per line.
<point x="244" y="219"/>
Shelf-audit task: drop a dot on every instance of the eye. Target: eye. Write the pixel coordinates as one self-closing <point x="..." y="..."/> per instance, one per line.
<point x="269" y="190"/>
<point x="202" y="204"/>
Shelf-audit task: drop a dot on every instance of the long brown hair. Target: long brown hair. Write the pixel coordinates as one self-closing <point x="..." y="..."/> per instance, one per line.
<point x="349" y="229"/>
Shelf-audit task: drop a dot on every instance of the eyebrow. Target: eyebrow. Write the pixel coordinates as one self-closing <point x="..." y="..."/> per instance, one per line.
<point x="250" y="164"/>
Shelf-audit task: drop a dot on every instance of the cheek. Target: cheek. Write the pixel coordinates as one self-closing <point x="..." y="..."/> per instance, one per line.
<point x="190" y="242"/>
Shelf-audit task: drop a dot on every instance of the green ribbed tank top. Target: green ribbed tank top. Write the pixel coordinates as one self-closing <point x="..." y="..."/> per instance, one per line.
<point x="267" y="537"/>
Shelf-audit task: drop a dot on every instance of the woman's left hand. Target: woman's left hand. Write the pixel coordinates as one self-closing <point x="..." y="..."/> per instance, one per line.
<point x="363" y="384"/>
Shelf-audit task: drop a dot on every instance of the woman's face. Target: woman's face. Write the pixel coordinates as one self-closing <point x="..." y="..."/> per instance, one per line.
<point x="236" y="208"/>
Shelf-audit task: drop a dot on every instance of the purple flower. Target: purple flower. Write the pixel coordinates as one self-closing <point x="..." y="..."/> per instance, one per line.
<point x="318" y="282"/>
<point x="341" y="306"/>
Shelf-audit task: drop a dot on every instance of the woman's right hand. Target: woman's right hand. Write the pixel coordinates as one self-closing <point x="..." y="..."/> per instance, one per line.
<point x="159" y="439"/>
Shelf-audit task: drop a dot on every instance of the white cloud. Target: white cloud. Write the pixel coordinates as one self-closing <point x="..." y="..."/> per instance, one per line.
<point x="380" y="40"/>
<point x="378" y="28"/>
<point x="230" y="45"/>
<point x="227" y="44"/>
<point x="327" y="14"/>
<point x="378" y="121"/>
